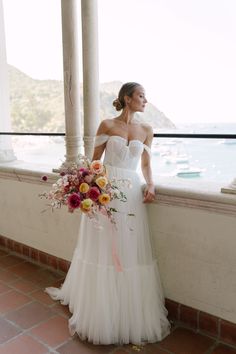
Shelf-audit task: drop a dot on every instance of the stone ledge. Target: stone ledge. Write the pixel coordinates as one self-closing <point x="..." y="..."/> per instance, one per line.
<point x="192" y="194"/>
<point x="219" y="206"/>
<point x="23" y="173"/>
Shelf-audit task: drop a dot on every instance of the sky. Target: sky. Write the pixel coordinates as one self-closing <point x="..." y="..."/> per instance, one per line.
<point x="183" y="52"/>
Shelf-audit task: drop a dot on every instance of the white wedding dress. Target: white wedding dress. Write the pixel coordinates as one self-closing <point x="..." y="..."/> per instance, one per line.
<point x="110" y="306"/>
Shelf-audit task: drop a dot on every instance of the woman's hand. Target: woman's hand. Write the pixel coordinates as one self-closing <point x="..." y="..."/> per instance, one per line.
<point x="149" y="193"/>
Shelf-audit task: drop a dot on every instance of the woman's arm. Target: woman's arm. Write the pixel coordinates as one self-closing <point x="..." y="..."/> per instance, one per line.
<point x="98" y="150"/>
<point x="149" y="192"/>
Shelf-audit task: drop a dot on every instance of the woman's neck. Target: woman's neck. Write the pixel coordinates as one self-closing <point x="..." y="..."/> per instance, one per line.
<point x="126" y="117"/>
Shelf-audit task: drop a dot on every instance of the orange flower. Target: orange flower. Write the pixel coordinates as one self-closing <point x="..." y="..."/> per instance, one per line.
<point x="97" y="167"/>
<point x="104" y="198"/>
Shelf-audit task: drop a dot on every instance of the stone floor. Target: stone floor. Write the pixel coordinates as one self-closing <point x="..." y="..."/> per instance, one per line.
<point x="31" y="323"/>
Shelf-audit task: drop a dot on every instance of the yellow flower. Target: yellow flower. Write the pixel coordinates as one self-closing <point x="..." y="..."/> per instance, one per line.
<point x="101" y="182"/>
<point x="86" y="205"/>
<point x="97" y="167"/>
<point x="84" y="187"/>
<point x="104" y="198"/>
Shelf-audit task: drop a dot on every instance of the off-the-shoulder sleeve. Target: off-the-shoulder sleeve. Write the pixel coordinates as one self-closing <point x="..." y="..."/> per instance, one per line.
<point x="100" y="139"/>
<point x="147" y="148"/>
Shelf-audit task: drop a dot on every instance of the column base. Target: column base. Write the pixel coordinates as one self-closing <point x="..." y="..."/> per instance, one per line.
<point x="89" y="145"/>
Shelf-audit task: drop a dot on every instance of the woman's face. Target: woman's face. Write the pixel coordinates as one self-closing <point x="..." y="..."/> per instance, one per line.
<point x="137" y="102"/>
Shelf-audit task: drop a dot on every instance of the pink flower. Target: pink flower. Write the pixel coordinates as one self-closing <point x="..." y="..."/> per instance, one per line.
<point x="93" y="193"/>
<point x="85" y="173"/>
<point x="82" y="169"/>
<point x="88" y="178"/>
<point x="74" y="201"/>
<point x="62" y="173"/>
<point x="44" y="178"/>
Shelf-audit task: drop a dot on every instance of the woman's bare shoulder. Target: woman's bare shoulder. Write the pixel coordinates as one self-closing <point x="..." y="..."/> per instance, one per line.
<point x="147" y="128"/>
<point x="105" y="126"/>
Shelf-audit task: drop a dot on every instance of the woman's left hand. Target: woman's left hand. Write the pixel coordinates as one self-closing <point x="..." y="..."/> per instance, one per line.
<point x="149" y="193"/>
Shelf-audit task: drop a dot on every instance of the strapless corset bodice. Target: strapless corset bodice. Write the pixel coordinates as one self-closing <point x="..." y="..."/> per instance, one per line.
<point x="120" y="152"/>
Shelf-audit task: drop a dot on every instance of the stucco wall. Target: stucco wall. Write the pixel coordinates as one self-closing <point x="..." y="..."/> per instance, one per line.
<point x="195" y="248"/>
<point x="197" y="259"/>
<point x="22" y="219"/>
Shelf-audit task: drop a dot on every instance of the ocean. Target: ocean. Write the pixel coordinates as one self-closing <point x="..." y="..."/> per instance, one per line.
<point x="195" y="159"/>
<point x="198" y="159"/>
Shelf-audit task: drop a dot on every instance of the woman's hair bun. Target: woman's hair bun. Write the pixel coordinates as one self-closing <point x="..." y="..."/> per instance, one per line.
<point x="117" y="104"/>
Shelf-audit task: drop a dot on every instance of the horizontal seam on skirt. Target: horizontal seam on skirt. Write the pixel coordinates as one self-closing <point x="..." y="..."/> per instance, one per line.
<point x="112" y="267"/>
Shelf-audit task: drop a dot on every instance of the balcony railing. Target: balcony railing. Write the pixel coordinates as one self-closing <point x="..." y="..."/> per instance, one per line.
<point x="156" y="135"/>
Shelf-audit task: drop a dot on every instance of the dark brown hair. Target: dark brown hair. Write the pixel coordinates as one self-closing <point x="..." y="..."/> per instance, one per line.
<point x="125" y="90"/>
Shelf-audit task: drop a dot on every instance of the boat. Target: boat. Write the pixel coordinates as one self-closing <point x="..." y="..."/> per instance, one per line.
<point x="229" y="141"/>
<point x="188" y="171"/>
<point x="178" y="159"/>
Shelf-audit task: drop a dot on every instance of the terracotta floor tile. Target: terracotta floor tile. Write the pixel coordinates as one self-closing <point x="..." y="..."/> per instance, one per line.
<point x="43" y="278"/>
<point x="53" y="332"/>
<point x="30" y="315"/>
<point x="58" y="283"/>
<point x="7" y="277"/>
<point x="61" y="309"/>
<point x="24" y="268"/>
<point x="153" y="349"/>
<point x="122" y="351"/>
<point x="129" y="348"/>
<point x="7" y="331"/>
<point x="12" y="300"/>
<point x="3" y="288"/>
<point x="228" y="332"/>
<point x="24" y="286"/>
<point x="9" y="261"/>
<point x="3" y="253"/>
<point x="23" y="345"/>
<point x="132" y="348"/>
<point x="75" y="346"/>
<point x="222" y="349"/>
<point x="188" y="316"/>
<point x="184" y="341"/>
<point x="41" y="296"/>
<point x="208" y="324"/>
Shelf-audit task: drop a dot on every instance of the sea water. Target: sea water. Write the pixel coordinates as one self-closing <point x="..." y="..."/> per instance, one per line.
<point x="209" y="159"/>
<point x="214" y="159"/>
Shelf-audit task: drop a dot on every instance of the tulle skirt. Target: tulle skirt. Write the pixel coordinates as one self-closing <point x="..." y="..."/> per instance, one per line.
<point x="113" y="287"/>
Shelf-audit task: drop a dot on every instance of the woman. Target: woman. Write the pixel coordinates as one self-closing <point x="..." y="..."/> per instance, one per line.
<point x="113" y="287"/>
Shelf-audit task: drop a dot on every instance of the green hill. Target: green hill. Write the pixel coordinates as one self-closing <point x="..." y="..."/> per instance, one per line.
<point x="38" y="105"/>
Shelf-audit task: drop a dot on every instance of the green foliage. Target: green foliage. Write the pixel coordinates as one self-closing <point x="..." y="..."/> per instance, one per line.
<point x="38" y="105"/>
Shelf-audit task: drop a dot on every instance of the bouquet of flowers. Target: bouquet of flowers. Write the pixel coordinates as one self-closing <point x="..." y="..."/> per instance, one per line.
<point x="85" y="186"/>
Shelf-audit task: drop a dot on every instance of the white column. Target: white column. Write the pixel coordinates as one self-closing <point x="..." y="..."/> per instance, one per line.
<point x="74" y="140"/>
<point x="90" y="72"/>
<point x="6" y="151"/>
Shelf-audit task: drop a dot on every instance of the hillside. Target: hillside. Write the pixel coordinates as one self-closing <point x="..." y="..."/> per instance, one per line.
<point x="38" y="105"/>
